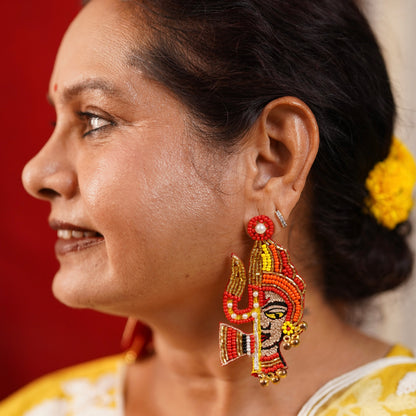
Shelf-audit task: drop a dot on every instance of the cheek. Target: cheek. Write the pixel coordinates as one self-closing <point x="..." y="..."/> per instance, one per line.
<point x="156" y="215"/>
<point x="120" y="184"/>
<point x="265" y="321"/>
<point x="278" y="323"/>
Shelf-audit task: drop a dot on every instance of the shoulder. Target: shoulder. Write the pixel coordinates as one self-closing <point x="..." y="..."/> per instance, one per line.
<point x="389" y="389"/>
<point x="60" y="393"/>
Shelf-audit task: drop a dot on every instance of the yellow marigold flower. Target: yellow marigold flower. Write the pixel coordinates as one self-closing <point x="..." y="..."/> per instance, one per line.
<point x="390" y="185"/>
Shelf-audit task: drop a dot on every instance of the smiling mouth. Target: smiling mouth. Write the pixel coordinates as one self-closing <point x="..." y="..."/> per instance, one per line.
<point x="77" y="234"/>
<point x="265" y="337"/>
<point x="73" y="239"/>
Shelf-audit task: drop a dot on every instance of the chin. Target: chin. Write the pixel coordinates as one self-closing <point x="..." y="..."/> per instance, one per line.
<point x="81" y="283"/>
<point x="72" y="290"/>
<point x="67" y="296"/>
<point x="85" y="292"/>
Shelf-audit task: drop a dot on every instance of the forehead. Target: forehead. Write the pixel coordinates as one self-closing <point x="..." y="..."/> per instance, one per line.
<point x="97" y="44"/>
<point x="273" y="296"/>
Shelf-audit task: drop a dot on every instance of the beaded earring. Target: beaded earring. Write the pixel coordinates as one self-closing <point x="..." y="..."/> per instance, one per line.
<point x="276" y="296"/>
<point x="136" y="341"/>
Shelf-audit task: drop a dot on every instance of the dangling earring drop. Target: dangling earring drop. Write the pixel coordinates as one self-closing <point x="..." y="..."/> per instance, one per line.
<point x="136" y="340"/>
<point x="276" y="295"/>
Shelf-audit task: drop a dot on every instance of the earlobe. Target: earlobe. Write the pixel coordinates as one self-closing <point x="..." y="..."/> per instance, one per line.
<point x="286" y="139"/>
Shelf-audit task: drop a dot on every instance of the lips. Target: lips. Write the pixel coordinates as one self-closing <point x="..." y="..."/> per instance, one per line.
<point x="265" y="337"/>
<point x="73" y="238"/>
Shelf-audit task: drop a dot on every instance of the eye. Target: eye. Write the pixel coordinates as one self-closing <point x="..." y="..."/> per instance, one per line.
<point x="274" y="315"/>
<point x="94" y="122"/>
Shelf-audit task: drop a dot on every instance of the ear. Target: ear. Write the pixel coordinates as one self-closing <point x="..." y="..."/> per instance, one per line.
<point x="281" y="148"/>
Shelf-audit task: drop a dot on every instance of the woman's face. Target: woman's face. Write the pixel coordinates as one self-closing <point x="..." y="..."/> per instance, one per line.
<point x="273" y="315"/>
<point x="134" y="196"/>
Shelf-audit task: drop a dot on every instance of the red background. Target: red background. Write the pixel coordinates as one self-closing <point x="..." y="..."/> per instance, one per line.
<point x="37" y="333"/>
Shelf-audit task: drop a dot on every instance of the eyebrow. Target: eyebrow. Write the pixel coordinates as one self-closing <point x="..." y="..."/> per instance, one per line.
<point x="276" y="303"/>
<point x="77" y="89"/>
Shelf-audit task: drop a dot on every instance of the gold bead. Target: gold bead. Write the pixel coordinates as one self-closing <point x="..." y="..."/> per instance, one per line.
<point x="303" y="326"/>
<point x="264" y="382"/>
<point x="275" y="379"/>
<point x="286" y="346"/>
<point x="295" y="342"/>
<point x="130" y="357"/>
<point x="282" y="372"/>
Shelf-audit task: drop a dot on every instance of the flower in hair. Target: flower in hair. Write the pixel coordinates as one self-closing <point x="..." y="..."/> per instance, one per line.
<point x="390" y="186"/>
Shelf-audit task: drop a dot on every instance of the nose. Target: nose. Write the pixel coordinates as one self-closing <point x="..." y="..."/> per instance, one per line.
<point x="50" y="174"/>
<point x="266" y="326"/>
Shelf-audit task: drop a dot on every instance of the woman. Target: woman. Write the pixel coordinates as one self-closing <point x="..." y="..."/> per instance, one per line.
<point x="188" y="131"/>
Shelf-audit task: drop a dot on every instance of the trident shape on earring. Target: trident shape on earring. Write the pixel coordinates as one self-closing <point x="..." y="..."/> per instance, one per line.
<point x="276" y="295"/>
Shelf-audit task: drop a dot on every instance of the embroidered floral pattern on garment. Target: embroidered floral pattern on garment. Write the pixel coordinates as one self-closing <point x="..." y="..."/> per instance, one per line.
<point x="366" y="399"/>
<point x="49" y="407"/>
<point x="407" y="384"/>
<point x="81" y="397"/>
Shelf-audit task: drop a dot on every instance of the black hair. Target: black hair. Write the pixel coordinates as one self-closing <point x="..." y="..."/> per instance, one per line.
<point x="225" y="60"/>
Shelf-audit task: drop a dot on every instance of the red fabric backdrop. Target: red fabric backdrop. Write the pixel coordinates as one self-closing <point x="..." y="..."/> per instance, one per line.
<point x="37" y="333"/>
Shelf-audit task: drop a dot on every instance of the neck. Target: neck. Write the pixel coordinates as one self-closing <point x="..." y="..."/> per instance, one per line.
<point x="187" y="355"/>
